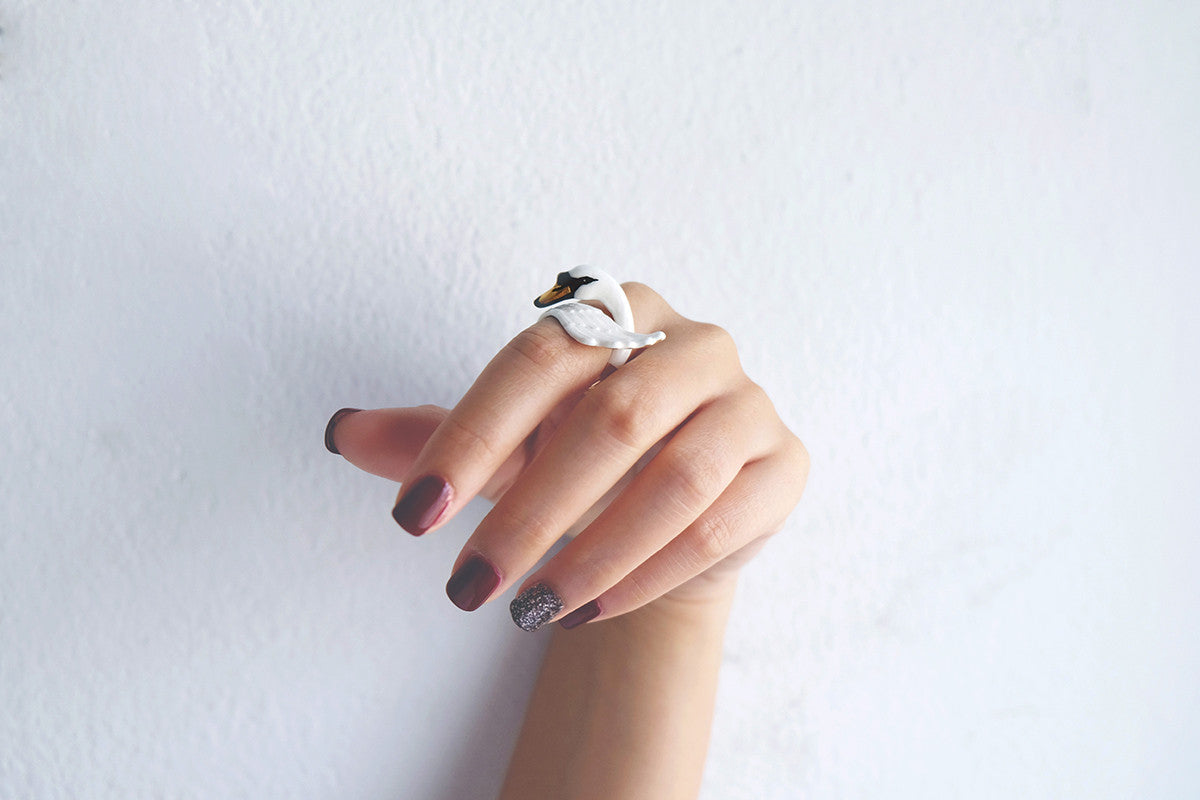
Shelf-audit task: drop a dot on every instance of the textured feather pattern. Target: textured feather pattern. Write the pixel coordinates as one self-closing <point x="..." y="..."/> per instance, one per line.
<point x="591" y="326"/>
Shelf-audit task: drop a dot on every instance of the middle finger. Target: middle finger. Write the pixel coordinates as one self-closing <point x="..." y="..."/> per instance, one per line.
<point x="533" y="374"/>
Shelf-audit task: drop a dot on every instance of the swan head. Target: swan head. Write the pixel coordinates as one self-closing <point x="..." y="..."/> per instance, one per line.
<point x="592" y="326"/>
<point x="589" y="283"/>
<point x="579" y="283"/>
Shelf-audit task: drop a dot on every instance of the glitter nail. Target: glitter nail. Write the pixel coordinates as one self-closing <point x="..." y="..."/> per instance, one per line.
<point x="535" y="606"/>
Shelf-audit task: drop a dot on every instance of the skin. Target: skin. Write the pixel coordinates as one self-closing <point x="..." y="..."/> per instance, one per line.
<point x="622" y="708"/>
<point x="671" y="472"/>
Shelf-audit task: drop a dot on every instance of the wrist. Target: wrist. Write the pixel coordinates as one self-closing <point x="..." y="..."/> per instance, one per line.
<point x="703" y="604"/>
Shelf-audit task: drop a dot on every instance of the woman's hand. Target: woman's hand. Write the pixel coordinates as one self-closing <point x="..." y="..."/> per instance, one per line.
<point x="672" y="469"/>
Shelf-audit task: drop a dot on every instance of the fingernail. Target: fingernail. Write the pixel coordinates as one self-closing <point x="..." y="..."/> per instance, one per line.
<point x="535" y="606"/>
<point x="332" y="425"/>
<point x="581" y="615"/>
<point x="421" y="506"/>
<point x="472" y="583"/>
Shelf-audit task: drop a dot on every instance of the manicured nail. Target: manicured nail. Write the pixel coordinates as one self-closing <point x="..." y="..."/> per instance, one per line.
<point x="423" y="504"/>
<point x="332" y="425"/>
<point x="581" y="615"/>
<point x="535" y="606"/>
<point x="472" y="583"/>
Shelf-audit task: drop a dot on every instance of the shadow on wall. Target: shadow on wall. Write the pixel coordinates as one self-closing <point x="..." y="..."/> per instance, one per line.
<point x="477" y="768"/>
<point x="331" y="364"/>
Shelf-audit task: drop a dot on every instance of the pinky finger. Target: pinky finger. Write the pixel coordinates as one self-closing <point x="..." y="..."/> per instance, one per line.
<point x="732" y="529"/>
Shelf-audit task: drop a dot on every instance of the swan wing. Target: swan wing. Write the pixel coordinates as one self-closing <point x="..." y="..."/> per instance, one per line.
<point x="591" y="326"/>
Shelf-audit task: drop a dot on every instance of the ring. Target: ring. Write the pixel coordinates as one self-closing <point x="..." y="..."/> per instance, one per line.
<point x="589" y="325"/>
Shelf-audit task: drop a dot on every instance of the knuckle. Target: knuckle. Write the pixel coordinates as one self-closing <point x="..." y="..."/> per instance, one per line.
<point x="758" y="409"/>
<point x="757" y="400"/>
<point x="541" y="346"/>
<point x="643" y="298"/>
<point x="691" y="480"/>
<point x="798" y="461"/>
<point x="803" y="459"/>
<point x="624" y="413"/>
<point x="754" y="408"/>
<point x="530" y="532"/>
<point x="466" y="441"/>
<point x="715" y="340"/>
<point x="639" y="589"/>
<point x="594" y="572"/>
<point x="713" y="538"/>
<point x="797" y="452"/>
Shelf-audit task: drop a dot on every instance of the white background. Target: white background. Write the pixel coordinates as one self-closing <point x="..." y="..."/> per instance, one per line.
<point x="957" y="242"/>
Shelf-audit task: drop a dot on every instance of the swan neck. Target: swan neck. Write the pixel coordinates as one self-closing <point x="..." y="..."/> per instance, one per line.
<point x="613" y="298"/>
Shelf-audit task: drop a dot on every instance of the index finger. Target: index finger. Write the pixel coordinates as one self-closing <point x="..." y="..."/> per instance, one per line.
<point x="534" y="373"/>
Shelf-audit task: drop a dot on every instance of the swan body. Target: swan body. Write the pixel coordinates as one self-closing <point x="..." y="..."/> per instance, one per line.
<point x="589" y="325"/>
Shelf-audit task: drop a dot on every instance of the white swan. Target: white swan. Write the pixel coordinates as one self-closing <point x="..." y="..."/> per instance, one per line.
<point x="589" y="325"/>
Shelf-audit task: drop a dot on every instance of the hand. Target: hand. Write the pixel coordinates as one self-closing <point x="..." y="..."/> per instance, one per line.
<point x="673" y="469"/>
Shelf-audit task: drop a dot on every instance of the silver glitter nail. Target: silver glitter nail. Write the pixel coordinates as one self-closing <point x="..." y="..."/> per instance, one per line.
<point x="535" y="606"/>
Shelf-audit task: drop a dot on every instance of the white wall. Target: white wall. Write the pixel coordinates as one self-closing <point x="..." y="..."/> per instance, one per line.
<point x="957" y="242"/>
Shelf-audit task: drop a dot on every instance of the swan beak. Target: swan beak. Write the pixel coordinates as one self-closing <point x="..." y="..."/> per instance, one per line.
<point x="560" y="291"/>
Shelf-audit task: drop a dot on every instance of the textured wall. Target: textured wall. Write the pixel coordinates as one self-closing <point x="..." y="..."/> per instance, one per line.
<point x="957" y="242"/>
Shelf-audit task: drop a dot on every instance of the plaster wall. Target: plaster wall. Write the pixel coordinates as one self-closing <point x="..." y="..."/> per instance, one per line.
<point x="957" y="243"/>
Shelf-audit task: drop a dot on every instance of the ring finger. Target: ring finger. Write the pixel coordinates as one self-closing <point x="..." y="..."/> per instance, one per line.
<point x="678" y="486"/>
<point x="751" y="508"/>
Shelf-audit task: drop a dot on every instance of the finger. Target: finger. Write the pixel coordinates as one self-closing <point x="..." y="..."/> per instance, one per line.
<point x="526" y="380"/>
<point x="666" y="497"/>
<point x="754" y="506"/>
<point x="386" y="441"/>
<point x="606" y="434"/>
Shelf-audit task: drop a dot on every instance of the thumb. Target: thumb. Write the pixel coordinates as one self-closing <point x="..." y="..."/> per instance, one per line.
<point x="386" y="441"/>
<point x="383" y="441"/>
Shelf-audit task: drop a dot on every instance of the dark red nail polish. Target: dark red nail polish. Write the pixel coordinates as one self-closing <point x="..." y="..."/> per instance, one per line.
<point x="332" y="425"/>
<point x="422" y="505"/>
<point x="472" y="583"/>
<point x="584" y="613"/>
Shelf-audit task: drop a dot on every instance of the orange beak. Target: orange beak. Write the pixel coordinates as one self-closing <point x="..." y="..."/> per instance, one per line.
<point x="559" y="292"/>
